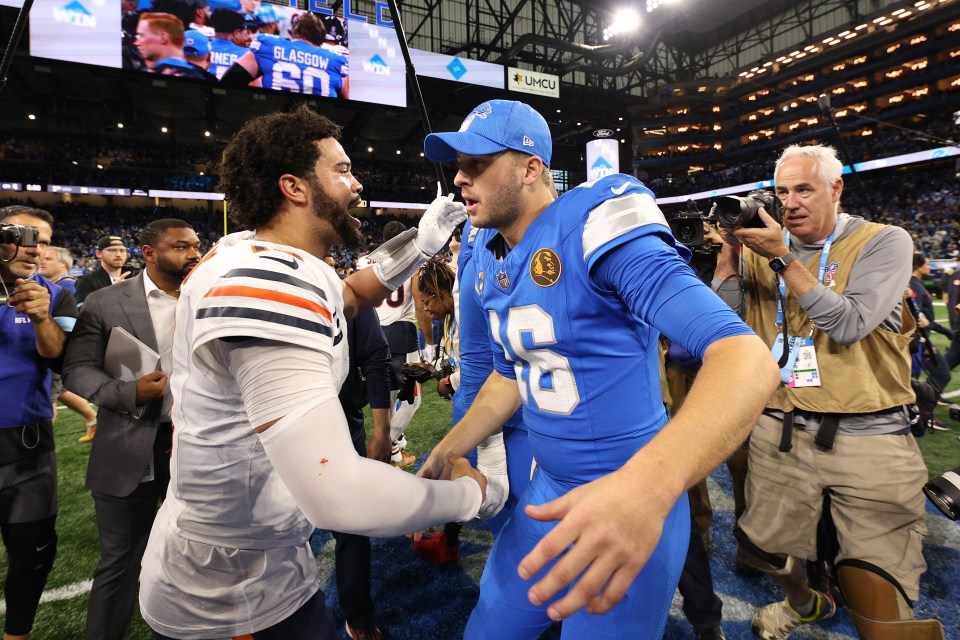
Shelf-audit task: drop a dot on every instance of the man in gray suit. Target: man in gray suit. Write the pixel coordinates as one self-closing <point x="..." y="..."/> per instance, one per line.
<point x="129" y="464"/>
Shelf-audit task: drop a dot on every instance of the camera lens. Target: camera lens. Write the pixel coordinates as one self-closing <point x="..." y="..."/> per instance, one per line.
<point x="686" y="233"/>
<point x="944" y="492"/>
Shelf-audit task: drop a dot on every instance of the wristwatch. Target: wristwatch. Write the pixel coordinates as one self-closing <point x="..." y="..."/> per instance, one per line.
<point x="779" y="265"/>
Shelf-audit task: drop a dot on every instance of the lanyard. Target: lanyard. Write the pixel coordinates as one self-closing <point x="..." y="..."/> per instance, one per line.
<point x="821" y="272"/>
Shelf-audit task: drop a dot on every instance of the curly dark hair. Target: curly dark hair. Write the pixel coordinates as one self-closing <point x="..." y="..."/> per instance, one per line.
<point x="265" y="148"/>
<point x="435" y="278"/>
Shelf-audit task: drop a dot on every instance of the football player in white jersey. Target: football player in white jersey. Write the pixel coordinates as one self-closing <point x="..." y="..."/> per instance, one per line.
<point x="262" y="452"/>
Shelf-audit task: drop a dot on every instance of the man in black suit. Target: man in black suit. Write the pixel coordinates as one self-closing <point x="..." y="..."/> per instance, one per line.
<point x="129" y="464"/>
<point x="112" y="254"/>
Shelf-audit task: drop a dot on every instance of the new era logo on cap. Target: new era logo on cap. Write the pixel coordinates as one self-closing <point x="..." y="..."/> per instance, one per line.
<point x="492" y="127"/>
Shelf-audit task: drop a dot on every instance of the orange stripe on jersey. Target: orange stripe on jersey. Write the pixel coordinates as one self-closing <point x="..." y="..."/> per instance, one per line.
<point x="246" y="637"/>
<point x="266" y="294"/>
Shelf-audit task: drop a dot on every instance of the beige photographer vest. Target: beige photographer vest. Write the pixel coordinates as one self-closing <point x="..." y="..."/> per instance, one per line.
<point x="870" y="375"/>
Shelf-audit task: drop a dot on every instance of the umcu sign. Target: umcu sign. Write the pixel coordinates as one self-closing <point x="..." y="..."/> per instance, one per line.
<point x="541" y="84"/>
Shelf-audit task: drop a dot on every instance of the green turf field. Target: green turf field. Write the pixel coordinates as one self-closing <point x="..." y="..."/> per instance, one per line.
<point x="63" y="617"/>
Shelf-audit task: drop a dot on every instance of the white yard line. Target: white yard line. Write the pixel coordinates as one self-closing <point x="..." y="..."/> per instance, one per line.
<point x="67" y="592"/>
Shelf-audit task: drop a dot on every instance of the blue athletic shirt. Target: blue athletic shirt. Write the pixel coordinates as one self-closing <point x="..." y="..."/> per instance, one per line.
<point x="476" y="357"/>
<point x="24" y="375"/>
<point x="223" y="53"/>
<point x="576" y="309"/>
<point x="298" y="66"/>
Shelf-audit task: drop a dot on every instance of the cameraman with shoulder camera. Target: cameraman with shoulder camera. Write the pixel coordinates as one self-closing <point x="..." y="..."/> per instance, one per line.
<point x="839" y="416"/>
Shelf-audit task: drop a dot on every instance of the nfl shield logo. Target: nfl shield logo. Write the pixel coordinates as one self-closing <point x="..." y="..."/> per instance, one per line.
<point x="829" y="272"/>
<point x="503" y="279"/>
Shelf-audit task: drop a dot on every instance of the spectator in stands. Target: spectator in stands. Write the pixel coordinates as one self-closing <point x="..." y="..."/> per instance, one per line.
<point x="841" y="292"/>
<point x="54" y="266"/>
<point x="35" y="318"/>
<point x="129" y="465"/>
<point x="112" y="254"/>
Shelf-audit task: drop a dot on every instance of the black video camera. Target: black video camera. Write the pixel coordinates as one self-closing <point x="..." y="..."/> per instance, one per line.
<point x="20" y="235"/>
<point x="734" y="211"/>
<point x="687" y="227"/>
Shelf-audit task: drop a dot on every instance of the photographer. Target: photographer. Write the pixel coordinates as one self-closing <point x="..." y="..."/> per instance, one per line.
<point x="828" y="290"/>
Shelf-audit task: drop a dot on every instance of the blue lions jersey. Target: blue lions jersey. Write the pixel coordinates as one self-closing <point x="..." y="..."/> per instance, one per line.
<point x="223" y="53"/>
<point x="576" y="309"/>
<point x="298" y="66"/>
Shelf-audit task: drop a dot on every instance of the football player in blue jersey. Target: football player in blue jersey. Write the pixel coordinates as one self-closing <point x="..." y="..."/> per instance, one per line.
<point x="231" y="40"/>
<point x="300" y="65"/>
<point x="576" y="291"/>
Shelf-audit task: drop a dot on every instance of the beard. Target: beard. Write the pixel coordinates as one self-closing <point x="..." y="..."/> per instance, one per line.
<point x="501" y="209"/>
<point x="326" y="208"/>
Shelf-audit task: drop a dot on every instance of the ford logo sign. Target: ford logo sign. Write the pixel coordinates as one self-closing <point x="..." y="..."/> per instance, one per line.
<point x="602" y="133"/>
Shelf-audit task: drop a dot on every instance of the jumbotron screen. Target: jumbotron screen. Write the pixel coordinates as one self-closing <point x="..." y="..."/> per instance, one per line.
<point x="247" y="43"/>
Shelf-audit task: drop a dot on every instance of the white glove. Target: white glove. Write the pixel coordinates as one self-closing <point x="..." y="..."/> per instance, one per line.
<point x="428" y="353"/>
<point x="492" y="463"/>
<point x="437" y="224"/>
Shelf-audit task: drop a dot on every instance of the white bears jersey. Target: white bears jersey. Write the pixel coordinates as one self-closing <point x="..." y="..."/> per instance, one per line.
<point x="398" y="306"/>
<point x="223" y="490"/>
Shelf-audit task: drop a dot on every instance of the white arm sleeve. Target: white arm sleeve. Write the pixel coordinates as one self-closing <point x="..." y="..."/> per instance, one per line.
<point x="311" y="449"/>
<point x="336" y="489"/>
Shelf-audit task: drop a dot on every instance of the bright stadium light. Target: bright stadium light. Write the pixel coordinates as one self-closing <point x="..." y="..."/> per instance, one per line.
<point x="32" y="117"/>
<point x="624" y="21"/>
<point x="119" y="125"/>
<point x="653" y="5"/>
<point x="206" y="134"/>
<point x="163" y="129"/>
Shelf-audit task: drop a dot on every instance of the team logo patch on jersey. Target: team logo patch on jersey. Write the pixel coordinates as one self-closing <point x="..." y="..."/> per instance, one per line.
<point x="503" y="279"/>
<point x="545" y="268"/>
<point x="479" y="285"/>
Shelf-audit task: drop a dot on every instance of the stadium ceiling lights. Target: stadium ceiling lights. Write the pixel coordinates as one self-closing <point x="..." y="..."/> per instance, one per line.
<point x="31" y="116"/>
<point x="206" y="134"/>
<point x="624" y="21"/>
<point x="163" y="129"/>
<point x="119" y="125"/>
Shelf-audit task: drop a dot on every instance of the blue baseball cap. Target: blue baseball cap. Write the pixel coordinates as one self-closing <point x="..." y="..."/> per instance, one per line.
<point x="195" y="43"/>
<point x="492" y="127"/>
<point x="266" y="14"/>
